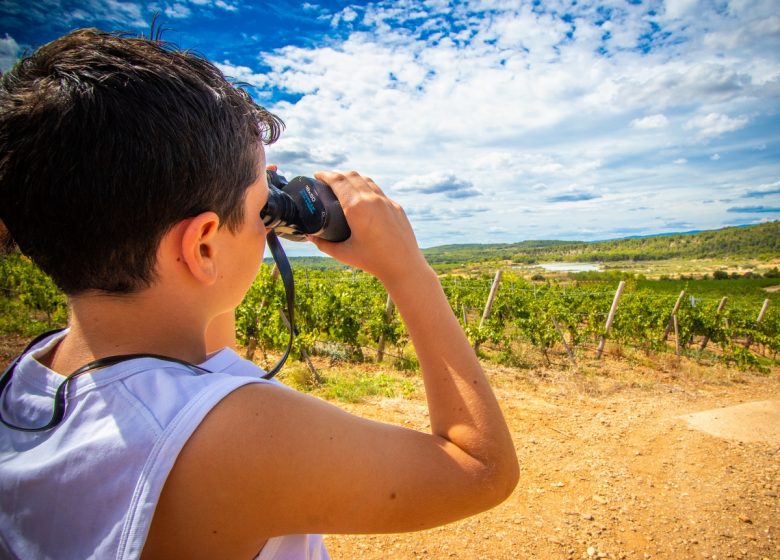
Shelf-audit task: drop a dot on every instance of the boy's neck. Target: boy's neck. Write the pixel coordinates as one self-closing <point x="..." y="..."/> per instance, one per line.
<point x="145" y="323"/>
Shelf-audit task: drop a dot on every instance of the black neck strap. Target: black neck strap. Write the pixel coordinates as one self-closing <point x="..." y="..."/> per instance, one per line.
<point x="60" y="396"/>
<point x="285" y="271"/>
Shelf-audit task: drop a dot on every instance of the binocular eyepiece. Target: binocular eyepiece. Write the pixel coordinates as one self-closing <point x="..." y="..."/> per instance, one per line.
<point x="303" y="206"/>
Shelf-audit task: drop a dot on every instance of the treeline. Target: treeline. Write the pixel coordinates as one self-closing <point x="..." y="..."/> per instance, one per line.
<point x="760" y="241"/>
<point x="753" y="242"/>
<point x="524" y="251"/>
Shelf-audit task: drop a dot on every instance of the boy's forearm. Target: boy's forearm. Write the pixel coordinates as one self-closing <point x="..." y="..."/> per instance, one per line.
<point x="463" y="410"/>
<point x="462" y="406"/>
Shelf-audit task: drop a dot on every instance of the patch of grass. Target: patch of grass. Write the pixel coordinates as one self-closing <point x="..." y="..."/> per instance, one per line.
<point x="348" y="383"/>
<point x="298" y="376"/>
<point x="355" y="385"/>
<point x="406" y="363"/>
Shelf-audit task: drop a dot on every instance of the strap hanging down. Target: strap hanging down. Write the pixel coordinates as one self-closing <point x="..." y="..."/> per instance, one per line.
<point x="285" y="271"/>
<point x="60" y="398"/>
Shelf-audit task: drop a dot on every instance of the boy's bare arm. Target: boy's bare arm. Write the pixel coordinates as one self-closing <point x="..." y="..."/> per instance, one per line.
<point x="269" y="461"/>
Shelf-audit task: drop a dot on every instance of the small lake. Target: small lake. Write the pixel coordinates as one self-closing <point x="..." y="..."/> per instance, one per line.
<point x="570" y="266"/>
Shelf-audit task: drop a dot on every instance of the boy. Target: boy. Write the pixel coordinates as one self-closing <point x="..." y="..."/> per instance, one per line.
<point x="133" y="175"/>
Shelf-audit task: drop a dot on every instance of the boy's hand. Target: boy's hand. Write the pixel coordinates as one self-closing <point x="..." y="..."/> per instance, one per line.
<point x="382" y="241"/>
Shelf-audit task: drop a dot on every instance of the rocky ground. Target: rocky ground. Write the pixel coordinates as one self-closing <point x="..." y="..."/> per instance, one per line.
<point x="611" y="470"/>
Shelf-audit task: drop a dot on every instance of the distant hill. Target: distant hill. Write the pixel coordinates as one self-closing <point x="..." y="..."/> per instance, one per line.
<point x="760" y="241"/>
<point x="492" y="251"/>
<point x="312" y="263"/>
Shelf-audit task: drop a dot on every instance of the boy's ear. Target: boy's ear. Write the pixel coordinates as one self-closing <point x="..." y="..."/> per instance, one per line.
<point x="198" y="247"/>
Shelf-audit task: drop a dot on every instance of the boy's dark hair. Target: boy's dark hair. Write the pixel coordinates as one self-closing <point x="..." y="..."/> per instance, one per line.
<point x="108" y="141"/>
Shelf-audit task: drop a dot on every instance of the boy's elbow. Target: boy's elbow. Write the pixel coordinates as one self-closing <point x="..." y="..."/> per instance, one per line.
<point x="508" y="477"/>
<point x="500" y="480"/>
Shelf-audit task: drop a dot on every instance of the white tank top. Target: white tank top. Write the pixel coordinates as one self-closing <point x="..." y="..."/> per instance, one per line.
<point x="88" y="487"/>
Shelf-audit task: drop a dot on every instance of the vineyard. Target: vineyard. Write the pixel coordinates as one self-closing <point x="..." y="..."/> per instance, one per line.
<point x="346" y="315"/>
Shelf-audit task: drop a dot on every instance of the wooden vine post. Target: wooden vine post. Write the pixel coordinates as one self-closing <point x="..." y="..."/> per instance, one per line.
<point x="491" y="298"/>
<point x="489" y="304"/>
<point x="389" y="310"/>
<point x="675" y="309"/>
<point x="569" y="351"/>
<point x="676" y="335"/>
<point x="252" y="344"/>
<point x="610" y="318"/>
<point x="761" y="314"/>
<point x="721" y="305"/>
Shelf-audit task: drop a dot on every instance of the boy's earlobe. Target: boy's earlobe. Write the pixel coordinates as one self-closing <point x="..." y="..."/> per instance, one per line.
<point x="199" y="247"/>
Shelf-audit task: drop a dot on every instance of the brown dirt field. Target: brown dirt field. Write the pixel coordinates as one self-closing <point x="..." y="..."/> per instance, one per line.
<point x="611" y="470"/>
<point x="611" y="465"/>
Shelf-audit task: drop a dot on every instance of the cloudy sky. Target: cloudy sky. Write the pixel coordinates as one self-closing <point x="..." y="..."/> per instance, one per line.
<point x="497" y="121"/>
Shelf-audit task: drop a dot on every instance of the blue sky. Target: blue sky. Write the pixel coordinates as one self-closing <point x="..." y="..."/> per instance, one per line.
<point x="493" y="120"/>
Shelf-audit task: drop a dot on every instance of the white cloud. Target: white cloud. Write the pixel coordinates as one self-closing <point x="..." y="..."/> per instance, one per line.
<point x="9" y="52"/>
<point x="746" y="36"/>
<point x="678" y="8"/>
<point x="177" y="11"/>
<point x="226" y="6"/>
<point x="650" y="122"/>
<point x="715" y="124"/>
<point x="762" y="190"/>
<point x="115" y="11"/>
<point x="183" y="8"/>
<point x="680" y="161"/>
<point x="242" y="74"/>
<point x="715" y="157"/>
<point x="297" y="156"/>
<point x="346" y="15"/>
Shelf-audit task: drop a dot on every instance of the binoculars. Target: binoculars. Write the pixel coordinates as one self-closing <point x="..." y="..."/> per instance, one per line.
<point x="303" y="206"/>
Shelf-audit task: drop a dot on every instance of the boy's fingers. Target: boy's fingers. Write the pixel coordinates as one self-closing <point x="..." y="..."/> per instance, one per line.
<point x="351" y="181"/>
<point x="376" y="188"/>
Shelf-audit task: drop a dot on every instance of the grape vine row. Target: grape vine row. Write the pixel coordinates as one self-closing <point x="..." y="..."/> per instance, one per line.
<point x="348" y="308"/>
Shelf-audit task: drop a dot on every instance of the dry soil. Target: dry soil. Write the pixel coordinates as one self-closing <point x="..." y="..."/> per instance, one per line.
<point x="661" y="459"/>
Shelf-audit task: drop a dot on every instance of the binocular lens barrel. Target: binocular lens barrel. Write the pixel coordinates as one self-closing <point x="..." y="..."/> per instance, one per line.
<point x="303" y="206"/>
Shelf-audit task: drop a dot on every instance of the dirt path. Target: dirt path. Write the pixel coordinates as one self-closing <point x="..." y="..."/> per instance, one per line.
<point x="752" y="421"/>
<point x="611" y="470"/>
